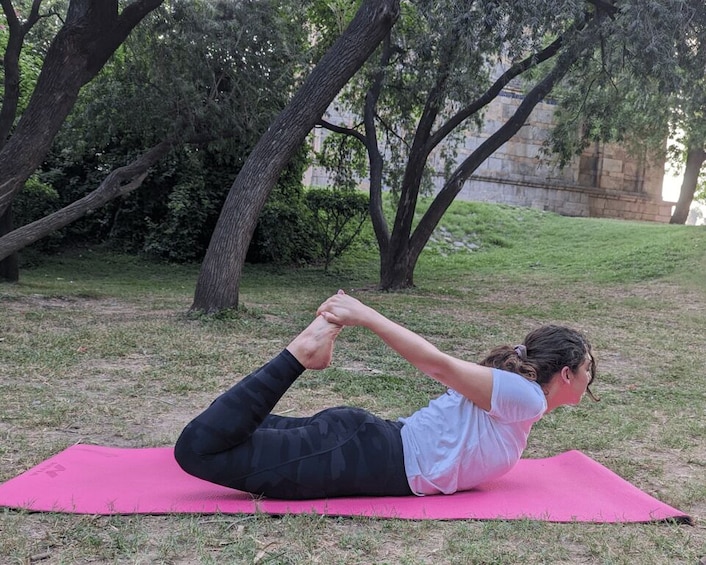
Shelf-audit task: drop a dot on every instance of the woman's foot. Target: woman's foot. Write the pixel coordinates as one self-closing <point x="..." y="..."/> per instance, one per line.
<point x="313" y="348"/>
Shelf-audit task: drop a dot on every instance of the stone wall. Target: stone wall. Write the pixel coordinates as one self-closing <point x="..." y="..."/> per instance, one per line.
<point x="605" y="181"/>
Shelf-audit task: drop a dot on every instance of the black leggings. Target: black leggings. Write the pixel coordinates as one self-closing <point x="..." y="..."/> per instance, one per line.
<point x="343" y="451"/>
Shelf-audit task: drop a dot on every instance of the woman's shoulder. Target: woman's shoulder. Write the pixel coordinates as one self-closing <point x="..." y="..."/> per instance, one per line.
<point x="516" y="395"/>
<point x="513" y="379"/>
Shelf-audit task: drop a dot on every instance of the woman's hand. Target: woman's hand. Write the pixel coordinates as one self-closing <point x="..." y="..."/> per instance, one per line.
<point x="344" y="310"/>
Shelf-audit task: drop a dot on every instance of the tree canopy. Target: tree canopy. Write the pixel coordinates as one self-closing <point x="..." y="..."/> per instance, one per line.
<point x="646" y="85"/>
<point x="89" y="34"/>
<point x="429" y="85"/>
<point x="199" y="81"/>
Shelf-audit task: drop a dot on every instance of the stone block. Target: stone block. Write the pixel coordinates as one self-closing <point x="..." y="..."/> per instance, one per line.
<point x="612" y="165"/>
<point x="611" y="183"/>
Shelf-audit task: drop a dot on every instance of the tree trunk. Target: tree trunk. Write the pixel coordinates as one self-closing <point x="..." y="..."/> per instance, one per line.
<point x="218" y="284"/>
<point x="396" y="271"/>
<point x="119" y="182"/>
<point x="695" y="158"/>
<point x="9" y="267"/>
<point x="91" y="34"/>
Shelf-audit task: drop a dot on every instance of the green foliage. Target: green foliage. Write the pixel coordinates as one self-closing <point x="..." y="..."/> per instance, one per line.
<point x="171" y="216"/>
<point x="181" y="231"/>
<point x="217" y="70"/>
<point x="30" y="62"/>
<point x="644" y="84"/>
<point x="212" y="74"/>
<point x="345" y="158"/>
<point x="34" y="201"/>
<point x="338" y="217"/>
<point x="329" y="18"/>
<point x="284" y="232"/>
<point x="615" y="109"/>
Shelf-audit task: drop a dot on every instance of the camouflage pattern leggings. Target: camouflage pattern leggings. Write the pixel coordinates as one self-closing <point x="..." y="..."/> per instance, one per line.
<point x="342" y="451"/>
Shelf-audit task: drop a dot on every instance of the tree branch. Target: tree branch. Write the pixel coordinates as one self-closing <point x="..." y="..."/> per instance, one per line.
<point x="377" y="216"/>
<point x="489" y="95"/>
<point x="341" y="129"/>
<point x="453" y="186"/>
<point x="11" y="64"/>
<point x="119" y="182"/>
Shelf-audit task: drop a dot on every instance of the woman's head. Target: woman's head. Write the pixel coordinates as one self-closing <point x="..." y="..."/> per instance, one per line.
<point x="544" y="352"/>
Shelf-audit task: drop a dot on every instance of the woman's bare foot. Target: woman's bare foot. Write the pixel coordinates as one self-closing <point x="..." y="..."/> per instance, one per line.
<point x="313" y="348"/>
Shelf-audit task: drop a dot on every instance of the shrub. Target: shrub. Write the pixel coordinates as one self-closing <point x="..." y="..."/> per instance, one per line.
<point x="34" y="201"/>
<point x="338" y="217"/>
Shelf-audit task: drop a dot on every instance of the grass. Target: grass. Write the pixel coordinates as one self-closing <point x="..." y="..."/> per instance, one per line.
<point x="97" y="348"/>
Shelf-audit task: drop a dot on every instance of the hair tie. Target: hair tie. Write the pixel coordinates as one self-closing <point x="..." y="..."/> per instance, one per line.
<point x="521" y="351"/>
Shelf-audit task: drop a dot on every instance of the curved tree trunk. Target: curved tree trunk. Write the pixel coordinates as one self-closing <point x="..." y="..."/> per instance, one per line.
<point x="218" y="284"/>
<point x="695" y="158"/>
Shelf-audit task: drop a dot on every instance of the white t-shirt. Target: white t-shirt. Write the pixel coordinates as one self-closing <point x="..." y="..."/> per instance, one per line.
<point x="453" y="445"/>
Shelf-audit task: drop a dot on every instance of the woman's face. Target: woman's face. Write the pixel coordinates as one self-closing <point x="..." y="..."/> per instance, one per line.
<point x="583" y="376"/>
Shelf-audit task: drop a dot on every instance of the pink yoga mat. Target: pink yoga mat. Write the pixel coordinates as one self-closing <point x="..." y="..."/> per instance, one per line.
<point x="87" y="479"/>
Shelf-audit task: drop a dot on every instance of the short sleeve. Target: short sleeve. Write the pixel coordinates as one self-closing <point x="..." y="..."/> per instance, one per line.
<point x="516" y="399"/>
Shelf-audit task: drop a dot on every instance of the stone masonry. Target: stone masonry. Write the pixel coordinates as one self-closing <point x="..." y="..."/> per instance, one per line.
<point x="605" y="181"/>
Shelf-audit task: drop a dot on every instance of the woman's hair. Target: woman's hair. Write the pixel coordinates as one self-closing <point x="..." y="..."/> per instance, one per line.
<point x="544" y="352"/>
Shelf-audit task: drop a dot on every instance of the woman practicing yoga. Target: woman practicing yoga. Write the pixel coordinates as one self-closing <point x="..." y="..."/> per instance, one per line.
<point x="474" y="432"/>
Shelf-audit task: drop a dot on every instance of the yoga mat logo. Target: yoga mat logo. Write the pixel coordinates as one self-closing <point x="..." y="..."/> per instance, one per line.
<point x="51" y="470"/>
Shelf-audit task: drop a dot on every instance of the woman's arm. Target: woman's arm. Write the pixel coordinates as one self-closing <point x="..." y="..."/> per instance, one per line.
<point x="473" y="381"/>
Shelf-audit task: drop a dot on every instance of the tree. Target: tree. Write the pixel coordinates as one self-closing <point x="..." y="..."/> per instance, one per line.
<point x="444" y="63"/>
<point x="218" y="284"/>
<point x="695" y="157"/>
<point x="90" y="34"/>
<point x="645" y="85"/>
<point x="197" y="81"/>
<point x="687" y="102"/>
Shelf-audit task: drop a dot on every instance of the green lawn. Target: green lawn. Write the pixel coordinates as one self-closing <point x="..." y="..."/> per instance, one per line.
<point x="98" y="348"/>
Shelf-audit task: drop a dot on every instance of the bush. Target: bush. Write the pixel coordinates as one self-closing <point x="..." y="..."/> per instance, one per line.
<point x="34" y="201"/>
<point x="284" y="235"/>
<point x="338" y="217"/>
<point x="284" y="232"/>
<point x="315" y="227"/>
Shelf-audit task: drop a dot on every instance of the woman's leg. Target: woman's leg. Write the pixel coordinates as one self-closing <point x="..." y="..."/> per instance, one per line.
<point x="338" y="452"/>
<point x="233" y="417"/>
<point x="342" y="451"/>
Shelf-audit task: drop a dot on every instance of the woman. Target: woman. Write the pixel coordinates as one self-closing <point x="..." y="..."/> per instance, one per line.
<point x="475" y="432"/>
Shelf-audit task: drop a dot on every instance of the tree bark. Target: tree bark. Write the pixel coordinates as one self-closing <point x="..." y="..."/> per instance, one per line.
<point x="119" y="182"/>
<point x="218" y="284"/>
<point x="91" y="34"/>
<point x="11" y="64"/>
<point x="9" y="268"/>
<point x="695" y="158"/>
